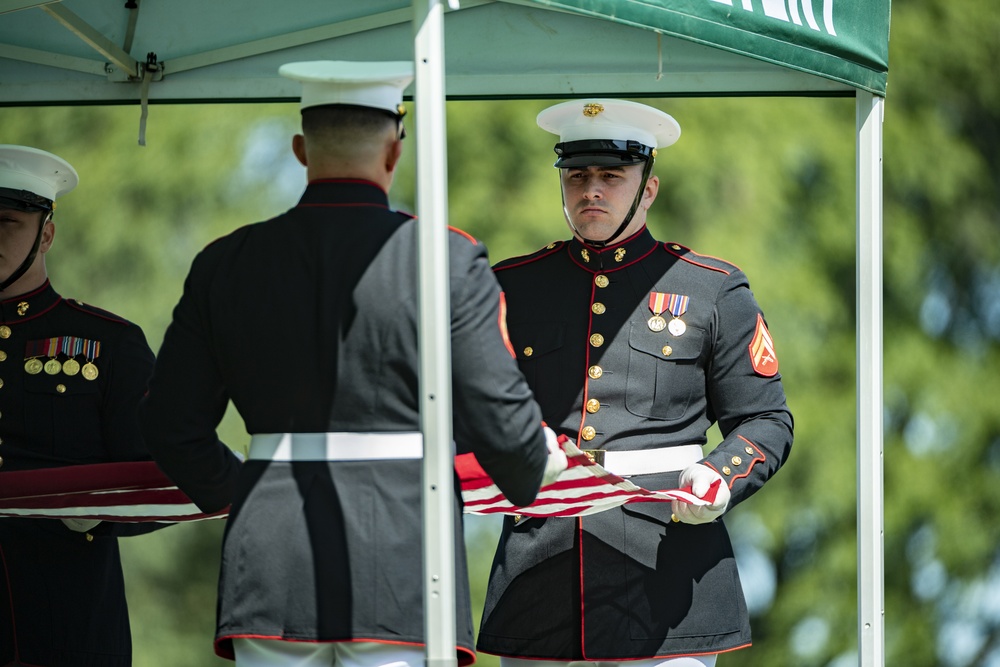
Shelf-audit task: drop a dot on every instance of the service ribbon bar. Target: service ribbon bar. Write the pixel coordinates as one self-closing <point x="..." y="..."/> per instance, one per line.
<point x="678" y="304"/>
<point x="658" y="301"/>
<point x="70" y="346"/>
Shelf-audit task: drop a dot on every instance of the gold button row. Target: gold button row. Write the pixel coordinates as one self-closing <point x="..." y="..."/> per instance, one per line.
<point x="4" y="333"/>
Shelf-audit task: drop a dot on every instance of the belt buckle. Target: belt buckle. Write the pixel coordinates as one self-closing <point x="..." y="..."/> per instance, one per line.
<point x="595" y="455"/>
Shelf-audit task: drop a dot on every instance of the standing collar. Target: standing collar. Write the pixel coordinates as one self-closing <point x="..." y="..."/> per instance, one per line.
<point x="615" y="256"/>
<point x="23" y="307"/>
<point x="343" y="191"/>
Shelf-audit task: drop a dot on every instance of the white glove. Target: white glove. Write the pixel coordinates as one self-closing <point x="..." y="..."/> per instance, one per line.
<point x="700" y="477"/>
<point x="80" y="525"/>
<point x="556" y="462"/>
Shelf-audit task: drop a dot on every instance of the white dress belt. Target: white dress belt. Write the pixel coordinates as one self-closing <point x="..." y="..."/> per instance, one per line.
<point x="648" y="461"/>
<point x="336" y="446"/>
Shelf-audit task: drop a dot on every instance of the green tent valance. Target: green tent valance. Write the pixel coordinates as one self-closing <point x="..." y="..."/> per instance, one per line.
<point x="845" y="42"/>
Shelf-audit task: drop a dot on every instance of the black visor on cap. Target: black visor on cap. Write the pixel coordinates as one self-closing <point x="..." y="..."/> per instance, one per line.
<point x="22" y="200"/>
<point x="601" y="153"/>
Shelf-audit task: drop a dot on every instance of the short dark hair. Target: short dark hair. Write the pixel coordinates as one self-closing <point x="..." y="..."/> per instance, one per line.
<point x="342" y="121"/>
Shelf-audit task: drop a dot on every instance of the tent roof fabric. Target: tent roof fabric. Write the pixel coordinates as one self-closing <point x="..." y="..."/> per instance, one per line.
<point x="100" y="51"/>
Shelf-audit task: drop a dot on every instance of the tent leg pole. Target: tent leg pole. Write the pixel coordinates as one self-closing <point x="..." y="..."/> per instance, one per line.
<point x="435" y="337"/>
<point x="871" y="559"/>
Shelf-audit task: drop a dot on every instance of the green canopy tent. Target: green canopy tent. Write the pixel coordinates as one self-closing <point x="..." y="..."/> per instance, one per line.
<point x="186" y="51"/>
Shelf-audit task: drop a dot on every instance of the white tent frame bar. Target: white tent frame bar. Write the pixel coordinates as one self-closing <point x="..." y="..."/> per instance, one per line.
<point x="435" y="338"/>
<point x="39" y="57"/>
<point x="7" y="6"/>
<point x="871" y="544"/>
<point x="93" y="38"/>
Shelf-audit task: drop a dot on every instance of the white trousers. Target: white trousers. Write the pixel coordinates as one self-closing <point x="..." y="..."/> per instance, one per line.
<point x="278" y="653"/>
<point x="683" y="661"/>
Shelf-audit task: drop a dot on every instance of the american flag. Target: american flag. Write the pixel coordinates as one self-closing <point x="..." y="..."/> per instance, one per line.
<point x="583" y="488"/>
<point x="139" y="491"/>
<point x="126" y="492"/>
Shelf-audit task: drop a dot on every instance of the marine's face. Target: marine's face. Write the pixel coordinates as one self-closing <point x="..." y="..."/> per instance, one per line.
<point x="17" y="236"/>
<point x="597" y="199"/>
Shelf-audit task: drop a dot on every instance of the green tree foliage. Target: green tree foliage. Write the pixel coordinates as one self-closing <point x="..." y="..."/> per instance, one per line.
<point x="765" y="183"/>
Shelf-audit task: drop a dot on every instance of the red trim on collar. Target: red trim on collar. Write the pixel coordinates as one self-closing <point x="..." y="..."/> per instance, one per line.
<point x="528" y="259"/>
<point x="27" y="295"/>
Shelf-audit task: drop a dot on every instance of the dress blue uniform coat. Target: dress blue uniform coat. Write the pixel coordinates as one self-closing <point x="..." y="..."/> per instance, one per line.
<point x="629" y="583"/>
<point x="62" y="595"/>
<point x="308" y="322"/>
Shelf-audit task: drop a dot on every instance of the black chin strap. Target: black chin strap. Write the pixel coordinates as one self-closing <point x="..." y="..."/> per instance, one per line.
<point x="26" y="264"/>
<point x="646" y="170"/>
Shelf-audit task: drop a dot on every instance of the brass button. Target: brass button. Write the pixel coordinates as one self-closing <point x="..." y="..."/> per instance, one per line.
<point x="597" y="340"/>
<point x="667" y="350"/>
<point x="588" y="433"/>
<point x="737" y="460"/>
<point x="3" y="356"/>
<point x="1" y="461"/>
<point x="528" y="351"/>
<point x="726" y="470"/>
<point x="1" y="382"/>
<point x="593" y="405"/>
<point x="90" y="538"/>
<point x="61" y="388"/>
<point x="674" y="246"/>
<point x="598" y="308"/>
<point x="4" y="331"/>
<point x="549" y="247"/>
<point x="749" y="450"/>
<point x="601" y="281"/>
<point x="595" y="372"/>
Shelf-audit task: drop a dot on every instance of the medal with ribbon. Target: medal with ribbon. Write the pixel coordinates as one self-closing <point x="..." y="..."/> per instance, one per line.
<point x="92" y="349"/>
<point x="657" y="302"/>
<point x="677" y="305"/>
